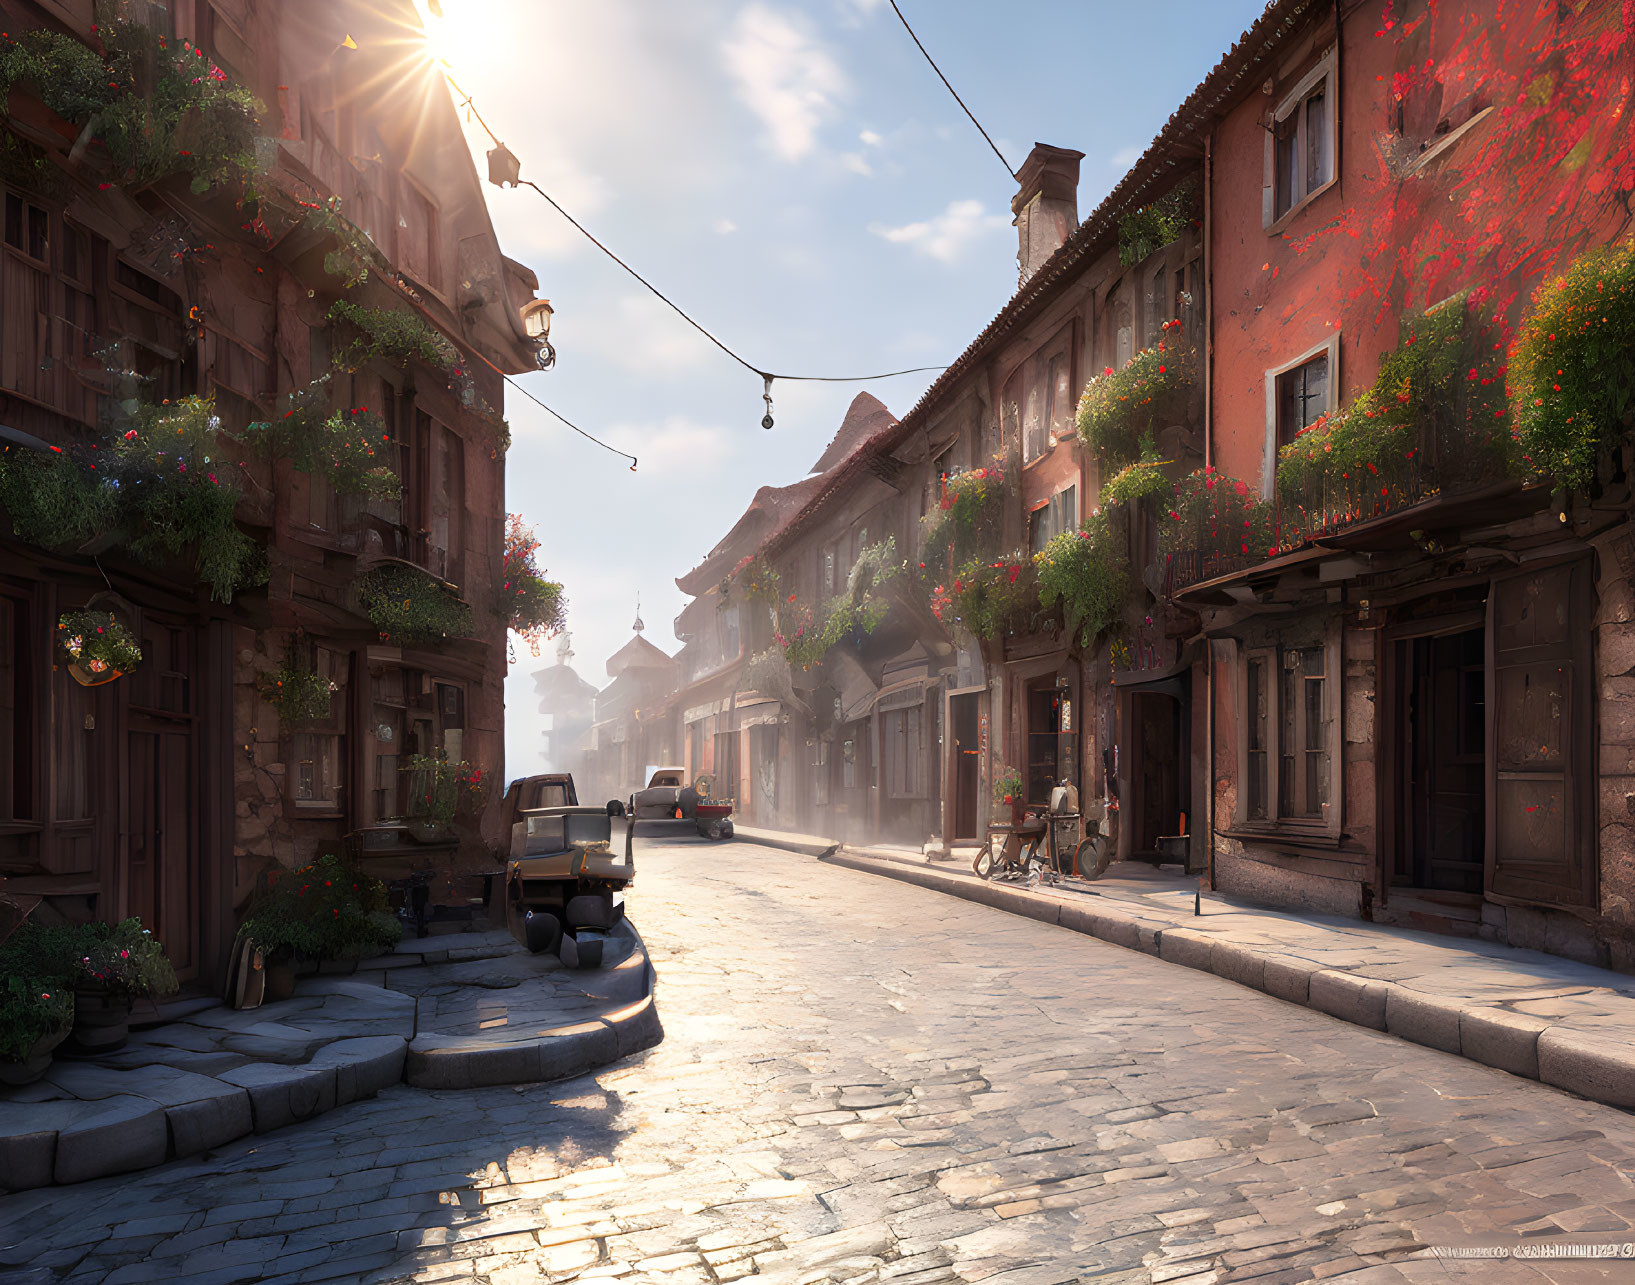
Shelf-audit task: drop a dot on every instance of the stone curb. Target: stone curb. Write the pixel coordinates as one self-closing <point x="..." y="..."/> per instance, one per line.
<point x="1592" y="1066"/>
<point x="805" y="845"/>
<point x="126" y="1132"/>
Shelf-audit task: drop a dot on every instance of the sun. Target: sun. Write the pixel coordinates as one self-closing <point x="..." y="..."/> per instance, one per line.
<point x="460" y="32"/>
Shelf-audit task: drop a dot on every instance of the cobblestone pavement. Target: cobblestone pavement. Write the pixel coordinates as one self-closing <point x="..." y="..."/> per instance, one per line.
<point x="869" y="1082"/>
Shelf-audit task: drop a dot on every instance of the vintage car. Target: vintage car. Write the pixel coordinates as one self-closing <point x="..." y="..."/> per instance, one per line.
<point x="564" y="884"/>
<point x="669" y="798"/>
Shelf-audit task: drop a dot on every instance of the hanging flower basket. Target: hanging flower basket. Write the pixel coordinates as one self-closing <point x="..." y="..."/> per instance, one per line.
<point x="95" y="647"/>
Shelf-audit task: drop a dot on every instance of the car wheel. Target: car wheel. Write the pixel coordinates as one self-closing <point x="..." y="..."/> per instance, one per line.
<point x="542" y="931"/>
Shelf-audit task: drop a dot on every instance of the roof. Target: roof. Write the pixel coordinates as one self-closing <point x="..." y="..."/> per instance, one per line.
<point x="775" y="508"/>
<point x="638" y="653"/>
<point x="1179" y="145"/>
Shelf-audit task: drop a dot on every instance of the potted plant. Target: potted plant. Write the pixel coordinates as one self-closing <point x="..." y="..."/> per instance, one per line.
<point x="36" y="1011"/>
<point x="96" y="647"/>
<point x="439" y="790"/>
<point x="300" y="695"/>
<point x="323" y="911"/>
<point x="107" y="966"/>
<point x="1007" y="792"/>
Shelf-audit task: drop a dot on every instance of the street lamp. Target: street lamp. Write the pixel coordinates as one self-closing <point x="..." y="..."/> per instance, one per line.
<point x="504" y="169"/>
<point x="536" y="321"/>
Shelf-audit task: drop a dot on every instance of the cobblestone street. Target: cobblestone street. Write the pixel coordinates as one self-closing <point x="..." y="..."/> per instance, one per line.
<point x="866" y="1081"/>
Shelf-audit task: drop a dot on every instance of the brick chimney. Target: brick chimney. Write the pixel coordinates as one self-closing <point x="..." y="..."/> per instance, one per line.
<point x="1046" y="205"/>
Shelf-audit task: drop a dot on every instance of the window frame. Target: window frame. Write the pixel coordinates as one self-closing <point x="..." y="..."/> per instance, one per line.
<point x="1329" y="347"/>
<point x="1324" y="73"/>
<point x="335" y="663"/>
<point x="1326" y="825"/>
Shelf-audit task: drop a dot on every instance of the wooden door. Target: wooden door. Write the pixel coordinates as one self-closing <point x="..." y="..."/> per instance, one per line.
<point x="1540" y="759"/>
<point x="967" y="765"/>
<point x="1444" y="723"/>
<point x="1155" y="777"/>
<point x="161" y="883"/>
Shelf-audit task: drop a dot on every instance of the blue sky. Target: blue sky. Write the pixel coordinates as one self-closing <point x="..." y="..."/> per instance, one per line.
<point x="796" y="177"/>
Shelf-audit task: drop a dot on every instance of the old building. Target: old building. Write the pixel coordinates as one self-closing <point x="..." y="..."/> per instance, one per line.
<point x="1417" y="703"/>
<point x="569" y="703"/>
<point x="632" y="729"/>
<point x="302" y="245"/>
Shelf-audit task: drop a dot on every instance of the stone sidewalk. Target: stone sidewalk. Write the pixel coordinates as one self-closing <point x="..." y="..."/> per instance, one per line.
<point x="447" y="1012"/>
<point x="1567" y="1024"/>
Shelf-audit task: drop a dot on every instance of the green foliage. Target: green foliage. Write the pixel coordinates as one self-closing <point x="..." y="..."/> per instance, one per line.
<point x="1088" y="572"/>
<point x="849" y="615"/>
<point x="154" y="107"/>
<point x="298" y="694"/>
<point x="1217" y="518"/>
<point x="1434" y="418"/>
<point x="758" y="580"/>
<point x="53" y="499"/>
<point x="1157" y="223"/>
<point x="97" y="641"/>
<point x="1572" y="367"/>
<point x="348" y="447"/>
<point x="806" y="636"/>
<point x="1120" y="409"/>
<point x="968" y="519"/>
<point x="408" y="605"/>
<point x="327" y="910"/>
<point x="34" y="1001"/>
<point x="990" y="598"/>
<point x="1007" y="787"/>
<point x="440" y="790"/>
<point x="534" y="607"/>
<point x="354" y="253"/>
<point x="1135" y="482"/>
<point x="123" y="959"/>
<point x="171" y="495"/>
<point x="392" y="335"/>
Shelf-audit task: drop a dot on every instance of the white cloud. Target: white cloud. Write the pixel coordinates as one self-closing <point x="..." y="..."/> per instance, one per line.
<point x="725" y="227"/>
<point x="853" y="13"/>
<point x="948" y="235"/>
<point x="784" y="77"/>
<point x="637" y="332"/>
<point x="870" y="139"/>
<point x="855" y="163"/>
<point x="1125" y="157"/>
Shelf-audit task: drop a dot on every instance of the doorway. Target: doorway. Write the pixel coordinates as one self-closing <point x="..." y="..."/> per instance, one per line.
<point x="162" y="885"/>
<point x="1441" y="821"/>
<point x="1158" y="795"/>
<point x="962" y="717"/>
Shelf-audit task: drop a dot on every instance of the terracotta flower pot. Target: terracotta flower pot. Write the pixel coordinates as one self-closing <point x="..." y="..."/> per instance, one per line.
<point x="85" y="678"/>
<point x="32" y="1065"/>
<point x="101" y="1022"/>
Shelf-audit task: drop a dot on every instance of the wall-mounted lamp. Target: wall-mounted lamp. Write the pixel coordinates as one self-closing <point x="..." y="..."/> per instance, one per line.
<point x="536" y="321"/>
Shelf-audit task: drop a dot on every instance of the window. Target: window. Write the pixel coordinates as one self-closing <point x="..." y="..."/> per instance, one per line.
<point x="1290" y="716"/>
<point x="848" y="764"/>
<point x="1302" y="397"/>
<point x="1037" y="403"/>
<point x="727" y="619"/>
<point x="1057" y="514"/>
<point x="1160" y="307"/>
<point x="416" y="234"/>
<point x="1301" y="143"/>
<point x="316" y="751"/>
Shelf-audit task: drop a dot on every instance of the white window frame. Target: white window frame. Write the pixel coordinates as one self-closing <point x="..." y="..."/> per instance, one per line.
<point x="1330" y="346"/>
<point x="1324" y="71"/>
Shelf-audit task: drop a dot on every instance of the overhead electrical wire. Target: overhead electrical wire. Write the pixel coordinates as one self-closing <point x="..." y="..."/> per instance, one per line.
<point x="952" y="90"/>
<point x="767" y="376"/>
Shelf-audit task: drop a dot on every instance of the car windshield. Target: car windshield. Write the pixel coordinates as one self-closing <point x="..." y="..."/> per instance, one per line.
<point x="666" y="778"/>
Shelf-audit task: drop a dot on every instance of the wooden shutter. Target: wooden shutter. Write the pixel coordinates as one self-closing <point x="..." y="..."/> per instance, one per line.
<point x="1540" y="757"/>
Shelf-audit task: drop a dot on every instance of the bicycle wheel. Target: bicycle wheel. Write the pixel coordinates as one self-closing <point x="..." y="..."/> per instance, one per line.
<point x="982" y="867"/>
